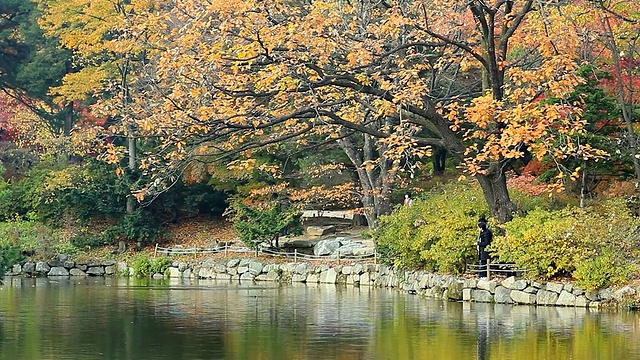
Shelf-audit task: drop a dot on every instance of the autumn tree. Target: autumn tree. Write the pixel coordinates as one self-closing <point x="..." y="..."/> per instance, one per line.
<point x="30" y="63"/>
<point x="108" y="48"/>
<point x="618" y="31"/>
<point x="385" y="80"/>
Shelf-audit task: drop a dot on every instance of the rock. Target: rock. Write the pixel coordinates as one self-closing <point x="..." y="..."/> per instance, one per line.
<point x="481" y="296"/>
<point x="175" y="272"/>
<point x="207" y="273"/>
<point x="312" y="279"/>
<point x="219" y="269"/>
<point x="320" y="230"/>
<point x="222" y="277"/>
<point x="619" y="294"/>
<point x="233" y="263"/>
<point x="346" y="269"/>
<point x="466" y="294"/>
<point x="110" y="270"/>
<point x="95" y="271"/>
<point x="454" y="292"/>
<point x="301" y="269"/>
<point x="365" y="279"/>
<point x="329" y="276"/>
<point x="58" y="271"/>
<point x="326" y="247"/>
<point x="109" y="262"/>
<point x="16" y="269"/>
<point x="502" y="295"/>
<point x="77" y="272"/>
<point x="244" y="262"/>
<point x="545" y="297"/>
<point x="247" y="276"/>
<point x="521" y="297"/>
<point x="158" y="276"/>
<point x="298" y="278"/>
<point x="187" y="273"/>
<point x="69" y="264"/>
<point x="82" y="267"/>
<point x="255" y="267"/>
<point x="489" y="285"/>
<point x="509" y="282"/>
<point x="242" y="269"/>
<point x="582" y="301"/>
<point x="566" y="299"/>
<point x="555" y="287"/>
<point x="520" y="284"/>
<point x="42" y="268"/>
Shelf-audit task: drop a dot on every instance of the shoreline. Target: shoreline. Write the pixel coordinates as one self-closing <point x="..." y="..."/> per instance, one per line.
<point x="510" y="290"/>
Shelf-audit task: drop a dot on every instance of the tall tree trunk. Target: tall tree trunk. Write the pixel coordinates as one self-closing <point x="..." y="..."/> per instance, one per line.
<point x="131" y="201"/>
<point x="439" y="161"/>
<point x="68" y="118"/>
<point x="625" y="94"/>
<point x="376" y="183"/>
<point x="494" y="188"/>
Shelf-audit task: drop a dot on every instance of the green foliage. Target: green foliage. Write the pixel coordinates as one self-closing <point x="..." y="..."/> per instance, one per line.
<point x="257" y="224"/>
<point x="160" y="265"/>
<point x="140" y="226"/>
<point x="86" y="240"/>
<point x="30" y="235"/>
<point x="438" y="231"/>
<point x="602" y="271"/>
<point x="144" y="266"/>
<point x="10" y="254"/>
<point x="598" y="246"/>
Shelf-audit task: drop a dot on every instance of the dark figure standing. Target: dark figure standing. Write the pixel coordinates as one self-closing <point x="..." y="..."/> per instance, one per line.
<point x="484" y="240"/>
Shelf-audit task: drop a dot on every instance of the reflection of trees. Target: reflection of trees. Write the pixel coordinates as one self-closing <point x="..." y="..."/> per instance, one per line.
<point x="174" y="320"/>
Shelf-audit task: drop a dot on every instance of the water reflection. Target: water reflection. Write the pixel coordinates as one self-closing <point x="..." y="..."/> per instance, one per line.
<point x="109" y="318"/>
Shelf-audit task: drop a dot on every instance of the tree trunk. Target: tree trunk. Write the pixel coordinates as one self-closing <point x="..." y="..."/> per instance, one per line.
<point x="131" y="201"/>
<point x="439" y="161"/>
<point x="494" y="188"/>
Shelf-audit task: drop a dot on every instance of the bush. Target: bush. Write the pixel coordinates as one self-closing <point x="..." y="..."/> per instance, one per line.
<point x="10" y="254"/>
<point x="439" y="231"/>
<point x="598" y="245"/>
<point x="602" y="271"/>
<point x="256" y="225"/>
<point x="29" y="235"/>
<point x="87" y="240"/>
<point x="144" y="266"/>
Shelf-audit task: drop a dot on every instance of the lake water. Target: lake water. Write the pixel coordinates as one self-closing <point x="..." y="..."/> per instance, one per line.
<point x="136" y="319"/>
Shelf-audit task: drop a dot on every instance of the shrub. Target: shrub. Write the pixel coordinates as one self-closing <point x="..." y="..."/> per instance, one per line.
<point x="438" y="231"/>
<point x="602" y="271"/>
<point x="10" y="254"/>
<point x="30" y="235"/>
<point x="144" y="266"/>
<point x="88" y="240"/>
<point x="598" y="245"/>
<point x="256" y="225"/>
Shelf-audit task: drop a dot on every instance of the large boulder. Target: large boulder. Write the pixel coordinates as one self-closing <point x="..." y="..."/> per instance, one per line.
<point x="320" y="230"/>
<point x="326" y="247"/>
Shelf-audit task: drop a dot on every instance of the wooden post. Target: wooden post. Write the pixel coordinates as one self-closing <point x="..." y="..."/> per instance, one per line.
<point x="155" y="252"/>
<point x="488" y="269"/>
<point x="226" y="252"/>
<point x="338" y="257"/>
<point x="375" y="257"/>
<point x="295" y="256"/>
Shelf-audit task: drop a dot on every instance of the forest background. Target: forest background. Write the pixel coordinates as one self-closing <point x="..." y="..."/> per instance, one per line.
<point x="119" y="118"/>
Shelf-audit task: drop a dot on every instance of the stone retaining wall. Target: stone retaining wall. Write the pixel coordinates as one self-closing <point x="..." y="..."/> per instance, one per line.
<point x="448" y="287"/>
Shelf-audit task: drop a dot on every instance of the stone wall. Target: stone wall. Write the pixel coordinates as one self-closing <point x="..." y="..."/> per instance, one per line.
<point x="505" y="291"/>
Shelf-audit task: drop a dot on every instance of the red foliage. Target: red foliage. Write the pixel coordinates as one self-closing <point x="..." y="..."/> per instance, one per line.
<point x="8" y="109"/>
<point x="536" y="168"/>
